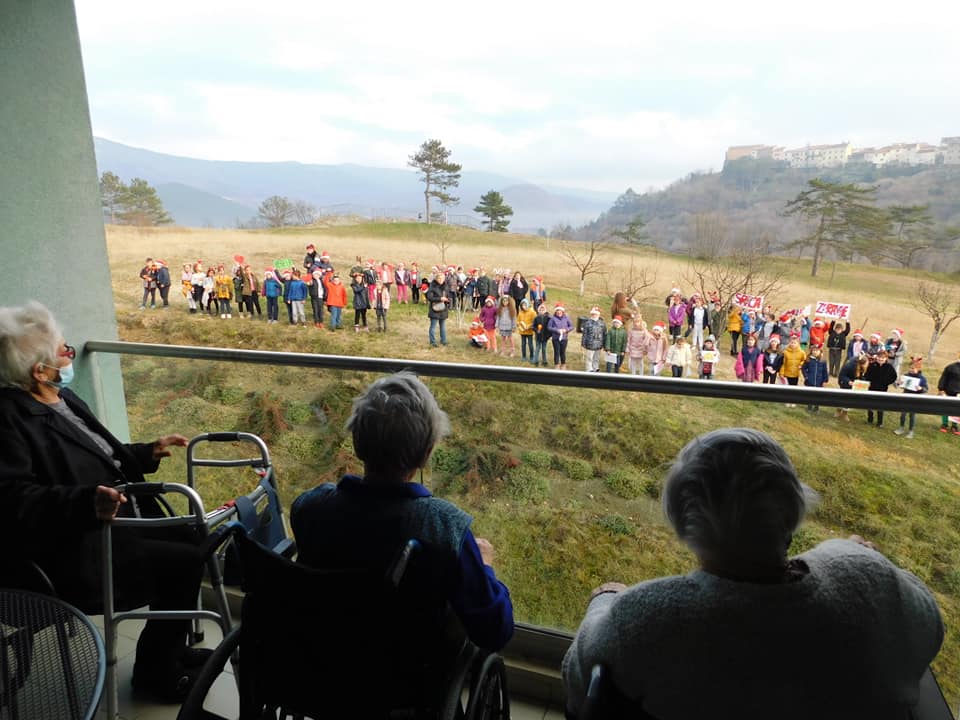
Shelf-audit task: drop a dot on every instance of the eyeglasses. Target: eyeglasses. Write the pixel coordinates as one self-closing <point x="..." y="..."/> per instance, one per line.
<point x="68" y="352"/>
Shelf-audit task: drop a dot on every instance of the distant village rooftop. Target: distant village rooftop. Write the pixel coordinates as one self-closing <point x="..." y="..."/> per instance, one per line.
<point x="839" y="154"/>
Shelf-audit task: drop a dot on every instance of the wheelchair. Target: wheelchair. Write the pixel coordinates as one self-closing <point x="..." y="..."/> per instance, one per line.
<point x="348" y="643"/>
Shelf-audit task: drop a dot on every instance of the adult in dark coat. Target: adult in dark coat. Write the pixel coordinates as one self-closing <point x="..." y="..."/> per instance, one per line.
<point x="438" y="307"/>
<point x="881" y="375"/>
<point x="58" y="469"/>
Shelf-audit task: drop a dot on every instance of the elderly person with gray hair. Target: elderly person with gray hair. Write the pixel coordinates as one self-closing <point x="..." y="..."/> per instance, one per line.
<point x="836" y="632"/>
<point x="363" y="521"/>
<point x="58" y="470"/>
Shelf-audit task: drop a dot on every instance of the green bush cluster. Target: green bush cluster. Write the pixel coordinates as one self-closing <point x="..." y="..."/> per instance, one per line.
<point x="577" y="469"/>
<point x="525" y="484"/>
<point x="298" y="413"/>
<point x="231" y="394"/>
<point x="625" y="483"/>
<point x="539" y="459"/>
<point x="449" y="460"/>
<point x="615" y="524"/>
<point x="195" y="412"/>
<point x="304" y="447"/>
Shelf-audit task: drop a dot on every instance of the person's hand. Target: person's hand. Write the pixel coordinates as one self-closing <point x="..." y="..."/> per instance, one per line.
<point x="160" y="446"/>
<point x="861" y="541"/>
<point x="608" y="587"/>
<point x="107" y="501"/>
<point x="486" y="551"/>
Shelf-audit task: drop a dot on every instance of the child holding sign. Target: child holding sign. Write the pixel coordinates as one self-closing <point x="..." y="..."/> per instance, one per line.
<point x="709" y="357"/>
<point x="915" y="383"/>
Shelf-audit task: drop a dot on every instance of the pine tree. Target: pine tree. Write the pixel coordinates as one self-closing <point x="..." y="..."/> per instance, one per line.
<point x="437" y="173"/>
<point x="111" y="194"/>
<point x="140" y="205"/>
<point x="495" y="210"/>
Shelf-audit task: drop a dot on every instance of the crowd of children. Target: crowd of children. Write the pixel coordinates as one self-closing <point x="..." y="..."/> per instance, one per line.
<point x="767" y="346"/>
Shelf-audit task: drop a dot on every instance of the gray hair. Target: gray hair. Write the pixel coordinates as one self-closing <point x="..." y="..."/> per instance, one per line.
<point x="733" y="496"/>
<point x="28" y="335"/>
<point x="396" y="423"/>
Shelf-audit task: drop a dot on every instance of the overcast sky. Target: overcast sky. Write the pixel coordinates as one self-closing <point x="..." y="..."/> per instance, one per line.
<point x="604" y="94"/>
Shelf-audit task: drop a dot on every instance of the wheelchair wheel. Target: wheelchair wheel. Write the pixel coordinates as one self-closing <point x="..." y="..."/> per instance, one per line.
<point x="489" y="699"/>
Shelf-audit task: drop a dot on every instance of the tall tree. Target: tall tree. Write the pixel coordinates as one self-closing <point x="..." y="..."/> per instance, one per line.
<point x="276" y="211"/>
<point x="304" y="213"/>
<point x="495" y="210"/>
<point x="632" y="233"/>
<point x="437" y="173"/>
<point x="842" y="214"/>
<point x="911" y="232"/>
<point x="140" y="205"/>
<point x="112" y="189"/>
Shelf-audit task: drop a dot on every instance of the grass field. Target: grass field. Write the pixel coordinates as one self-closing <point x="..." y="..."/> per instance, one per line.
<point x="564" y="484"/>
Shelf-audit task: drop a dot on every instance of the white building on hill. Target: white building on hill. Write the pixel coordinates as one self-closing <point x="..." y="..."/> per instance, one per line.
<point x="827" y="156"/>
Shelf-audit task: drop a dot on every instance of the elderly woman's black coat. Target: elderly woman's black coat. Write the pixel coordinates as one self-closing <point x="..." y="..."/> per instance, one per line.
<point x="49" y="470"/>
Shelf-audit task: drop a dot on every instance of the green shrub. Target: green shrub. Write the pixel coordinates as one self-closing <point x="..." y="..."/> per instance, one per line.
<point x="193" y="411"/>
<point x="625" y="483"/>
<point x="577" y="469"/>
<point x="525" y="484"/>
<point x="298" y="413"/>
<point x="652" y="487"/>
<point x="231" y="394"/>
<point x="615" y="524"/>
<point x="539" y="459"/>
<point x="211" y="393"/>
<point x="303" y="447"/>
<point x="449" y="460"/>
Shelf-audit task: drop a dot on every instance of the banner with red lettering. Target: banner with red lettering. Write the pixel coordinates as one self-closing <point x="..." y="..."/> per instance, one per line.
<point x="750" y="302"/>
<point x="840" y="311"/>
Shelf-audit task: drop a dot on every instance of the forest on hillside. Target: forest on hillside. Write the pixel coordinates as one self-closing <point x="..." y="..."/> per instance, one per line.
<point x="743" y="206"/>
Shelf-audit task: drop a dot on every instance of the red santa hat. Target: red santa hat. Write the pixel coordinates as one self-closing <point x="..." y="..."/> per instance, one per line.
<point x="775" y="336"/>
<point x="618" y="319"/>
<point x="876" y="336"/>
<point x="818" y="323"/>
<point x="897" y="332"/>
<point x="559" y="308"/>
<point x="658" y="326"/>
<point x="490" y="299"/>
<point x="794" y="334"/>
<point x="324" y="255"/>
<point x="858" y="332"/>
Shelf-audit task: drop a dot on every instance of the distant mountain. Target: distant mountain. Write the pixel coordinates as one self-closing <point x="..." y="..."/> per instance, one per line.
<point x="225" y="187"/>
<point x="196" y="208"/>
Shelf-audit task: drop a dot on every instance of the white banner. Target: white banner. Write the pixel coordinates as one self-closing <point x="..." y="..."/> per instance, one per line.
<point x="840" y="311"/>
<point x="750" y="302"/>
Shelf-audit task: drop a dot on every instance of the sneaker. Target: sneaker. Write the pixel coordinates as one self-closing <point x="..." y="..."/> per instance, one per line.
<point x="956" y="431"/>
<point x="944" y="429"/>
<point x="143" y="307"/>
<point x="229" y="316"/>
<point x="223" y="316"/>
<point x="899" y="431"/>
<point x="909" y="435"/>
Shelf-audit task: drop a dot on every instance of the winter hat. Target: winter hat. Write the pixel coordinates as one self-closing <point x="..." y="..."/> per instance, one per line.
<point x="858" y="333"/>
<point x="324" y="255"/>
<point x="710" y="339"/>
<point x="559" y="308"/>
<point x="775" y="336"/>
<point x="818" y="323"/>
<point x="542" y="308"/>
<point x="658" y="327"/>
<point x="897" y="332"/>
<point x="311" y="247"/>
<point x="525" y="303"/>
<point x="876" y="336"/>
<point x="490" y="299"/>
<point x="618" y="319"/>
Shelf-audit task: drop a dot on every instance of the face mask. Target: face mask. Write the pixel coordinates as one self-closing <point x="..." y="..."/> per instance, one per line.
<point x="66" y="376"/>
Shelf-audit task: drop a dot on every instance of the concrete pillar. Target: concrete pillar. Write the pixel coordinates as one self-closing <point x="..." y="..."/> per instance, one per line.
<point x="52" y="245"/>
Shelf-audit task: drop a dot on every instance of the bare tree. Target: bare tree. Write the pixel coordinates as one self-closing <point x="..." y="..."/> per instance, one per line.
<point x="588" y="258"/>
<point x="634" y="281"/>
<point x="276" y="211"/>
<point x="304" y="213"/>
<point x="746" y="270"/>
<point x="710" y="236"/>
<point x="940" y="303"/>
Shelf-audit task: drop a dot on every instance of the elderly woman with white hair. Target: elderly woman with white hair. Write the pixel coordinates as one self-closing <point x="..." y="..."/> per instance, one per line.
<point x="363" y="521"/>
<point x="58" y="470"/>
<point x="836" y="632"/>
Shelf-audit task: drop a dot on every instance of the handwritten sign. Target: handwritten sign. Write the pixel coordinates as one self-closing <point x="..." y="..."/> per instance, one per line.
<point x="709" y="356"/>
<point x="833" y="310"/>
<point x="751" y="302"/>
<point x="283" y="264"/>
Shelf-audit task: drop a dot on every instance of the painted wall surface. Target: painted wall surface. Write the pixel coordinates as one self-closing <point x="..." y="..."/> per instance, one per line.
<point x="52" y="245"/>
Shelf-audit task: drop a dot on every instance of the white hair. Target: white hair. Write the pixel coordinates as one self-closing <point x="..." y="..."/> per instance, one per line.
<point x="396" y="423"/>
<point x="733" y="496"/>
<point x="28" y="335"/>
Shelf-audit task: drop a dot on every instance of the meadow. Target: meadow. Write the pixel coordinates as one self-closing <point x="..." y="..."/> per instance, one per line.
<point x="564" y="483"/>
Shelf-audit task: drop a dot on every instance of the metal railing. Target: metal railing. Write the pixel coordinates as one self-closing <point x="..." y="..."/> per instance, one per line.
<point x="716" y="389"/>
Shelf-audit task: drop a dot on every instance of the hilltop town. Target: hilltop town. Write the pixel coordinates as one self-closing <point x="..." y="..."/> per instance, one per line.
<point x="840" y="154"/>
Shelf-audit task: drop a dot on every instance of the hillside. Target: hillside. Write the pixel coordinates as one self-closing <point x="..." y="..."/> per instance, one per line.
<point x="750" y="196"/>
<point x="339" y="189"/>
<point x="564" y="482"/>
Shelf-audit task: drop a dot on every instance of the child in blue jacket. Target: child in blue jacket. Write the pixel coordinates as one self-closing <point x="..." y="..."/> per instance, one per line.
<point x="815" y="372"/>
